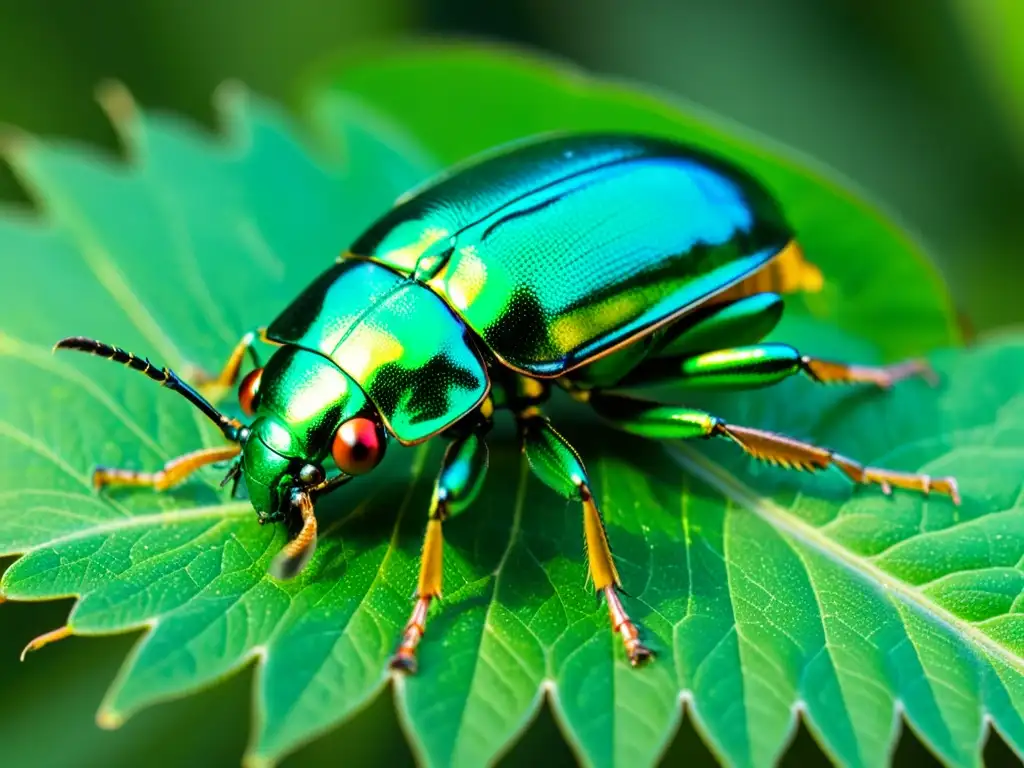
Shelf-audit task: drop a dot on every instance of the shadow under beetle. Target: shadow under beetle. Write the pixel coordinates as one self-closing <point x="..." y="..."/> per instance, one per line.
<point x="601" y="264"/>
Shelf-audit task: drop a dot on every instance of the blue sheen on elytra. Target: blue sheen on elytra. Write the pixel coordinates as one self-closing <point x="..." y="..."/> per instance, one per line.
<point x="565" y="249"/>
<point x="546" y="258"/>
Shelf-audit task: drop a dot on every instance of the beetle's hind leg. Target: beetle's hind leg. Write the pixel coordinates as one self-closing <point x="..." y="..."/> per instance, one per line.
<point x="558" y="466"/>
<point x="664" y="422"/>
<point x="462" y="474"/>
<point x="173" y="472"/>
<point x="884" y="376"/>
<point x="761" y="365"/>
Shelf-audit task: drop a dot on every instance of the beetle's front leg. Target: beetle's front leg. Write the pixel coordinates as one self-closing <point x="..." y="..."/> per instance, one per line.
<point x="296" y="554"/>
<point x="458" y="483"/>
<point x="289" y="562"/>
<point x="559" y="467"/>
<point x="174" y="471"/>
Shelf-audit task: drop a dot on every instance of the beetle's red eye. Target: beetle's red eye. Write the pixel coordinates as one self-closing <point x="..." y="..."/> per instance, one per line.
<point x="358" y="446"/>
<point x="248" y="390"/>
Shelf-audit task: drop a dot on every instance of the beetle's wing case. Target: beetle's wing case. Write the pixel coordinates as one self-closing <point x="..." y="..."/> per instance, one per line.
<point x="472" y="190"/>
<point x="414" y="359"/>
<point x="559" y="251"/>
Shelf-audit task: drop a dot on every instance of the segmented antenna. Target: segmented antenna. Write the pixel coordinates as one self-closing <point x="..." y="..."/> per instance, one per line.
<point x="118" y="355"/>
<point x="165" y="377"/>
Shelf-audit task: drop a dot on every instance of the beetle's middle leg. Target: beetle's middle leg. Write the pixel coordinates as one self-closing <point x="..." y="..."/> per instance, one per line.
<point x="462" y="474"/>
<point x="558" y="466"/>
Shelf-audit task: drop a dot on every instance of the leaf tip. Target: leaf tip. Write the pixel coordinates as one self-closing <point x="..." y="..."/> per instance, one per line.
<point x="13" y="141"/>
<point x="45" y="639"/>
<point x="109" y="719"/>
<point x="256" y="761"/>
<point x="116" y="100"/>
<point x="229" y="93"/>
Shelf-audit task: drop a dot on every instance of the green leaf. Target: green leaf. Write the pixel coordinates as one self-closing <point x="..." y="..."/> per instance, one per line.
<point x="990" y="31"/>
<point x="764" y="593"/>
<point x="462" y="98"/>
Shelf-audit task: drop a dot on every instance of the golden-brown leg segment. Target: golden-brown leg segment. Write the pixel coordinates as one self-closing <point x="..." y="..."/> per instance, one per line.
<point x="669" y="422"/>
<point x="600" y="564"/>
<point x="794" y="454"/>
<point x="458" y="484"/>
<point x="174" y="471"/>
<point x="429" y="587"/>
<point x="558" y="466"/>
<point x="214" y="387"/>
<point x="293" y="557"/>
<point x="606" y="580"/>
<point x="884" y="376"/>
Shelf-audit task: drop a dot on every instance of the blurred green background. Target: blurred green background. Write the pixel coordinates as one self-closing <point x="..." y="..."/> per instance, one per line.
<point x="920" y="103"/>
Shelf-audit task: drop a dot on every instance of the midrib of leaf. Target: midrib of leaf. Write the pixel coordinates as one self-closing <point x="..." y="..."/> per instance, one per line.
<point x="182" y="243"/>
<point x="120" y="109"/>
<point x="110" y="277"/>
<point x="841" y="674"/>
<point x="41" y="450"/>
<point x="738" y="492"/>
<point x="747" y="654"/>
<point x="157" y="518"/>
<point x="100" y="262"/>
<point x="602" y="466"/>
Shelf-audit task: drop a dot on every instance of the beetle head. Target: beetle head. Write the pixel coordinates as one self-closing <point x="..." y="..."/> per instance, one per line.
<point x="306" y="409"/>
<point x="308" y="415"/>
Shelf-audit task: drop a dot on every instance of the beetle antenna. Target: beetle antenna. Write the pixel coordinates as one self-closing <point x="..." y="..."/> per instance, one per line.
<point x="232" y="428"/>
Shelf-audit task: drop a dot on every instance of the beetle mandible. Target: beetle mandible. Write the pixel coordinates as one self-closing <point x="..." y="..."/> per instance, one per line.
<point x="599" y="264"/>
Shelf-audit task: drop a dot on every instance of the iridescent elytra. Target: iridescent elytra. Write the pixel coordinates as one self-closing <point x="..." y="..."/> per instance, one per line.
<point x="601" y="264"/>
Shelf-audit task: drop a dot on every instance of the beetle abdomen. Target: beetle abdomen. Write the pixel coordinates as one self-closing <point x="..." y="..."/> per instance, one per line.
<point x="554" y="260"/>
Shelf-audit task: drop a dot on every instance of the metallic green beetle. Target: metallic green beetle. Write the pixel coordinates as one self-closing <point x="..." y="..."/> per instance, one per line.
<point x="597" y="263"/>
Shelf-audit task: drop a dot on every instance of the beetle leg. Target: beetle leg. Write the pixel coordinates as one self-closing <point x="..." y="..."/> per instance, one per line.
<point x="289" y="562"/>
<point x="558" y="466"/>
<point x="721" y="324"/>
<point x="762" y="365"/>
<point x="214" y="387"/>
<point x="665" y="422"/>
<point x="458" y="483"/>
<point x="296" y="554"/>
<point x="884" y="376"/>
<point x="173" y="472"/>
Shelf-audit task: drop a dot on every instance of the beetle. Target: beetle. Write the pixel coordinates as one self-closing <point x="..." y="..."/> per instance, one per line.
<point x="601" y="264"/>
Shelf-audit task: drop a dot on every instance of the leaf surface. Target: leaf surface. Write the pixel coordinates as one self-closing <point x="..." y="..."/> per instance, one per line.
<point x="988" y="30"/>
<point x="763" y="592"/>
